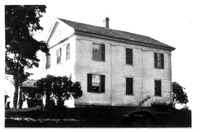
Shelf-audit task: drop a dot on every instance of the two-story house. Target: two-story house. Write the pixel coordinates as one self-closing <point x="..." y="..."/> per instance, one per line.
<point x="115" y="68"/>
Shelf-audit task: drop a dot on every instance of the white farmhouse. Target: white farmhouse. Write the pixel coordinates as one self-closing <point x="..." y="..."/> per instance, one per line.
<point x="115" y="68"/>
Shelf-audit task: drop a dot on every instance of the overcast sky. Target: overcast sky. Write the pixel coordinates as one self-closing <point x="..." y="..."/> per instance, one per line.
<point x="174" y="22"/>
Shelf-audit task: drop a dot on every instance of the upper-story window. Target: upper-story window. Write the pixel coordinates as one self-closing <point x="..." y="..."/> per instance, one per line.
<point x="96" y="83"/>
<point x="48" y="61"/>
<point x="129" y="56"/>
<point x="159" y="60"/>
<point x="158" y="86"/>
<point x="58" y="54"/>
<point x="67" y="51"/>
<point x="129" y="86"/>
<point x="98" y="52"/>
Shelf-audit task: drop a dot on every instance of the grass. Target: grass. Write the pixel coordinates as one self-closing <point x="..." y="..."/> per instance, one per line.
<point x="87" y="117"/>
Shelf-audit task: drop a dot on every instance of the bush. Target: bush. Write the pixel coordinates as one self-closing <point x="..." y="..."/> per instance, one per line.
<point x="163" y="107"/>
<point x="185" y="108"/>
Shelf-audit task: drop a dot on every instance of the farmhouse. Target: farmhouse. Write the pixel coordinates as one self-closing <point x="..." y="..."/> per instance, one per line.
<point x="115" y="68"/>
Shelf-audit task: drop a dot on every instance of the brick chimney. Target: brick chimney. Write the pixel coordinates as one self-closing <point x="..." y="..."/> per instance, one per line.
<point x="106" y="22"/>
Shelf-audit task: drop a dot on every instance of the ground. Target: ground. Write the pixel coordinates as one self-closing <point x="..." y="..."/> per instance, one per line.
<point x="91" y="117"/>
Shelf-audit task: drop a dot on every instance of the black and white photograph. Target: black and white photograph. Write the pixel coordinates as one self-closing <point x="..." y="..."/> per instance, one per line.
<point x="101" y="64"/>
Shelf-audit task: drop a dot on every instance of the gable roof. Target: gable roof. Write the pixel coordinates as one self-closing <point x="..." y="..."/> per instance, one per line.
<point x="117" y="34"/>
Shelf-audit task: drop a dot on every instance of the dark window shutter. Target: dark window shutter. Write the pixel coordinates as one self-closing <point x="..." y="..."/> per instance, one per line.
<point x="102" y="83"/>
<point x="157" y="88"/>
<point x="155" y="60"/>
<point x="129" y="85"/>
<point x="162" y="61"/>
<point x="126" y="56"/>
<point x="129" y="56"/>
<point x="103" y="52"/>
<point x="89" y="81"/>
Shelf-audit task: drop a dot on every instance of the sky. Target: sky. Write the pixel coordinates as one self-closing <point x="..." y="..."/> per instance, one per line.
<point x="174" y="22"/>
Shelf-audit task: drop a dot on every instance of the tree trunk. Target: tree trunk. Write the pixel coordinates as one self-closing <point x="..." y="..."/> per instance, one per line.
<point x="60" y="102"/>
<point x="15" y="98"/>
<point x="20" y="102"/>
<point x="47" y="105"/>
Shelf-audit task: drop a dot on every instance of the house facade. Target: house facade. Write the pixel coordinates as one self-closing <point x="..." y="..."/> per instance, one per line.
<point x="115" y="68"/>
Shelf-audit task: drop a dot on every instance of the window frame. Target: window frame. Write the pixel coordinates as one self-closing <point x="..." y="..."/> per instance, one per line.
<point x="158" y="89"/>
<point x="48" y="61"/>
<point x="68" y="51"/>
<point x="129" y="89"/>
<point x="129" y="56"/>
<point x="38" y="98"/>
<point x="98" y="54"/>
<point x="90" y="87"/>
<point x="58" y="55"/>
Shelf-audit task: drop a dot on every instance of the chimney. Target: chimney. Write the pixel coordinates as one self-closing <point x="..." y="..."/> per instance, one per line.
<point x="106" y="22"/>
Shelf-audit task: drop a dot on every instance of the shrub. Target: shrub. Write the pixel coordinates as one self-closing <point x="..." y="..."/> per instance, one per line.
<point x="163" y="107"/>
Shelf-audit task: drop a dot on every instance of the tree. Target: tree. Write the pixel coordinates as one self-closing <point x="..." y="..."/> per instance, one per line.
<point x="179" y="96"/>
<point x="21" y="23"/>
<point x="60" y="88"/>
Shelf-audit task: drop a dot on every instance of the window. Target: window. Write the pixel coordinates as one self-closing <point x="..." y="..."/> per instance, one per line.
<point x="67" y="51"/>
<point x="129" y="56"/>
<point x="38" y="96"/>
<point x="96" y="83"/>
<point x="58" y="54"/>
<point x="48" y="61"/>
<point x="157" y="87"/>
<point x="159" y="60"/>
<point x="25" y="96"/>
<point x="98" y="52"/>
<point x="129" y="86"/>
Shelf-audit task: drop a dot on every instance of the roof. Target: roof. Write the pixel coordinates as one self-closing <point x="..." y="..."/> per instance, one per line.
<point x="29" y="83"/>
<point x="117" y="34"/>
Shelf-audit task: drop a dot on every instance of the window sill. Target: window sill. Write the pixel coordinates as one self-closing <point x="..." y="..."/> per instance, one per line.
<point x="129" y="94"/>
<point x="158" y="68"/>
<point x="97" y="92"/>
<point x="157" y="96"/>
<point x="98" y="60"/>
<point x="129" y="64"/>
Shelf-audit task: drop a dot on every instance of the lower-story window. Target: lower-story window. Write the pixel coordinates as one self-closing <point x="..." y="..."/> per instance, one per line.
<point x="158" y="88"/>
<point x="96" y="83"/>
<point x="38" y="96"/>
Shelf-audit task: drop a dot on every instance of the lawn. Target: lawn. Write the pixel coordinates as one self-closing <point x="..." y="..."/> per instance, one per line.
<point x="87" y="117"/>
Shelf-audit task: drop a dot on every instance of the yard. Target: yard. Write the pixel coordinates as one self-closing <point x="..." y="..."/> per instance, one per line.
<point x="88" y="117"/>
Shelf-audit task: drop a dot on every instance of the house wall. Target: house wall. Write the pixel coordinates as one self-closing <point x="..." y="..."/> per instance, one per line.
<point x="66" y="68"/>
<point x="59" y="38"/>
<point x="116" y="70"/>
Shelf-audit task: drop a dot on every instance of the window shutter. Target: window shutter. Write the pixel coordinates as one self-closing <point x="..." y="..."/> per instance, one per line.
<point x="89" y="81"/>
<point x="155" y="60"/>
<point x="162" y="61"/>
<point x="157" y="88"/>
<point x="126" y="56"/>
<point x="103" y="52"/>
<point x="129" y="56"/>
<point x="102" y="83"/>
<point x="129" y="85"/>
